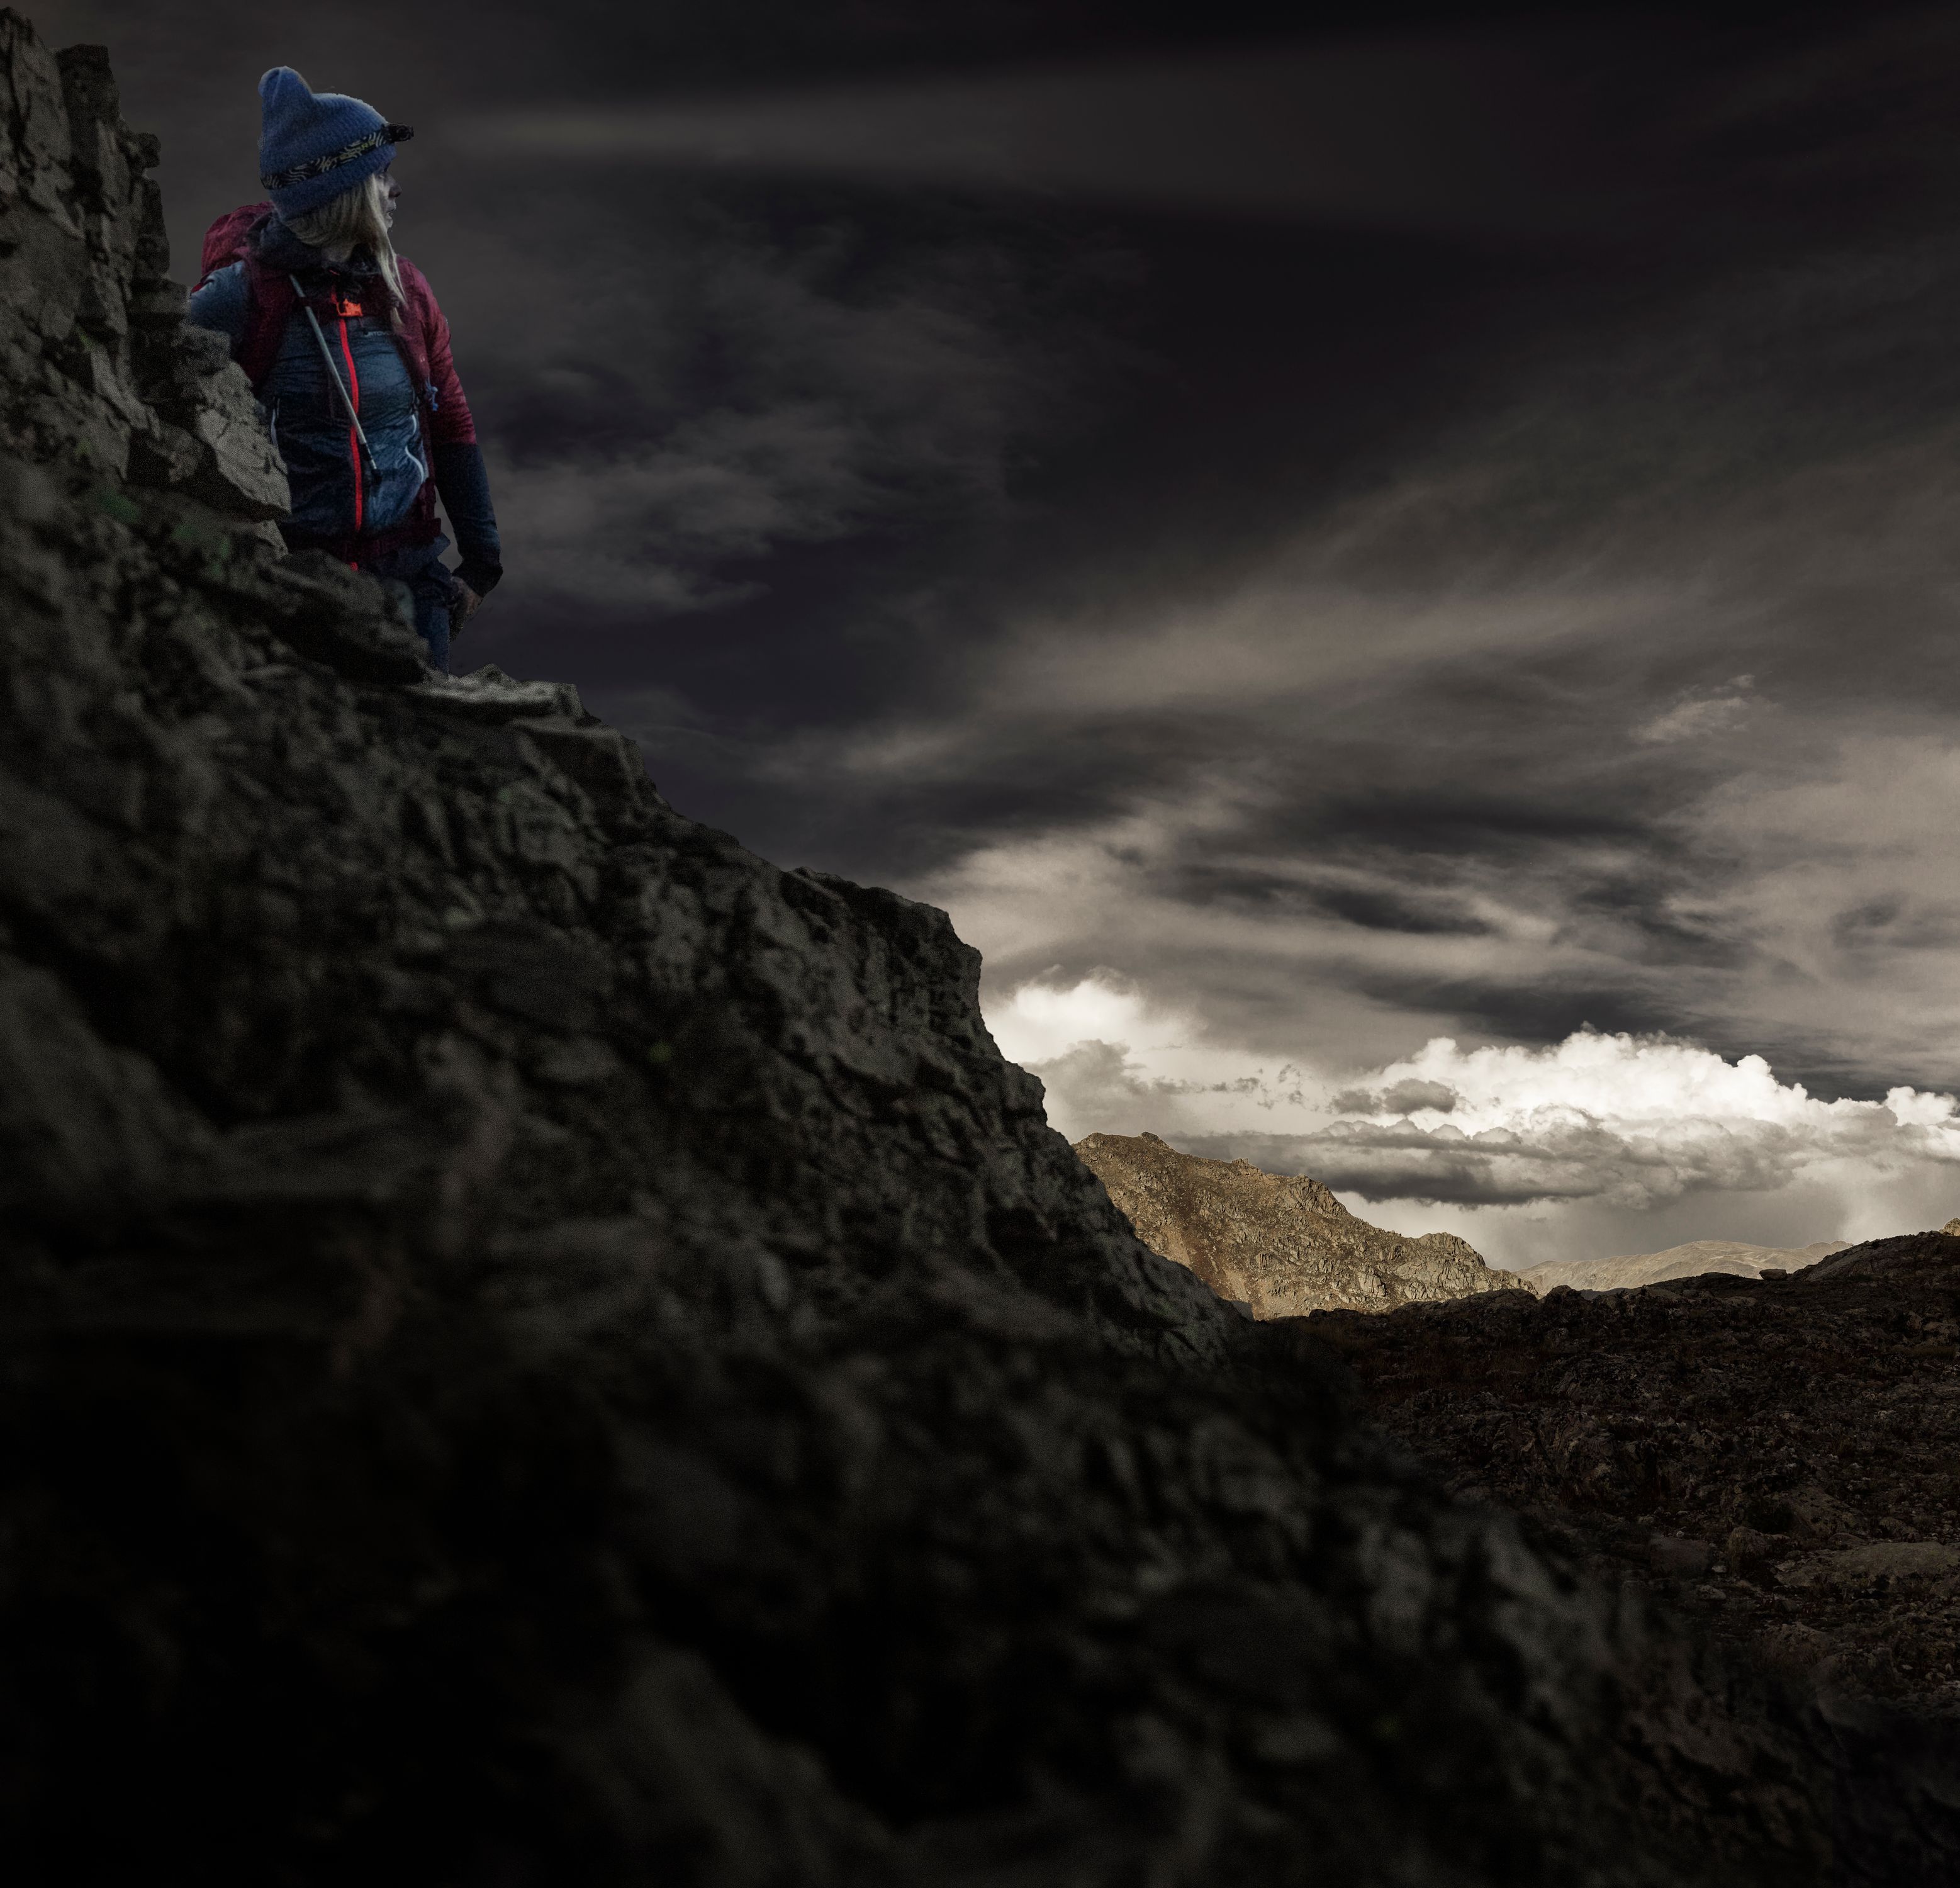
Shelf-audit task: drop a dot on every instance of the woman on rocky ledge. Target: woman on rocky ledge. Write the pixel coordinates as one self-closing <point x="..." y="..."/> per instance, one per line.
<point x="349" y="356"/>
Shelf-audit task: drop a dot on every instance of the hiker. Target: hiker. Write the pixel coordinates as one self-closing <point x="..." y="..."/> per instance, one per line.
<point x="349" y="356"/>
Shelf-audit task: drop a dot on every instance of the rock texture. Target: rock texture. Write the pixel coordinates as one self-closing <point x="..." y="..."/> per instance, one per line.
<point x="1629" y="1270"/>
<point x="1281" y="1245"/>
<point x="1776" y="1457"/>
<point x="96" y="369"/>
<point x="537" y="1347"/>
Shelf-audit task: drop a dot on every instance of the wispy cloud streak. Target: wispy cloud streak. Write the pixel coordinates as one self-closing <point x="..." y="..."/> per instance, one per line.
<point x="1454" y="131"/>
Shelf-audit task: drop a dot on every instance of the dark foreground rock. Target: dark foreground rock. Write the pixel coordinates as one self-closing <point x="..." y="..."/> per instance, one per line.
<point x="1777" y="1459"/>
<point x="537" y="1348"/>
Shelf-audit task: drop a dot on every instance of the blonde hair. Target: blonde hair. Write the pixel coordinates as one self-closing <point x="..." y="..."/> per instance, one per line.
<point x="358" y="218"/>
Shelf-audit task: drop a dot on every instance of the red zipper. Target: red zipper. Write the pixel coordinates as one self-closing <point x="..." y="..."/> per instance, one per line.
<point x="353" y="438"/>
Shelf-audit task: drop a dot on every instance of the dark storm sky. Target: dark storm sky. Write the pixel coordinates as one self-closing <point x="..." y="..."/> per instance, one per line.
<point x="1345" y="530"/>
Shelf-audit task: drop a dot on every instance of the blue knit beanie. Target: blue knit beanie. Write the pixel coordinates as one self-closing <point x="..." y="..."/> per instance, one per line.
<point x="313" y="146"/>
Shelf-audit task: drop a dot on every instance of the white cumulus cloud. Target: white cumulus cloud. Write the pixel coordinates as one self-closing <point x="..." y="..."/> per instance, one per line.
<point x="1634" y="1128"/>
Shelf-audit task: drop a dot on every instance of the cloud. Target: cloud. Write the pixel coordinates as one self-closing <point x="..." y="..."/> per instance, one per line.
<point x="654" y="528"/>
<point x="1699" y="712"/>
<point x="1617" y="1121"/>
<point x="1405" y="1097"/>
<point x="1107" y="1053"/>
<point x="735" y="395"/>
<point x="1636" y="716"/>
<point x="1474" y="129"/>
<point x="1634" y="1123"/>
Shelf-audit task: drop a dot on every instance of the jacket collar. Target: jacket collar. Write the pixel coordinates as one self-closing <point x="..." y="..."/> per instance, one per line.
<point x="282" y="252"/>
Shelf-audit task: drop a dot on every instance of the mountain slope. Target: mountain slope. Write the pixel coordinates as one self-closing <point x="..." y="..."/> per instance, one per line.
<point x="1281" y="1245"/>
<point x="1701" y="1255"/>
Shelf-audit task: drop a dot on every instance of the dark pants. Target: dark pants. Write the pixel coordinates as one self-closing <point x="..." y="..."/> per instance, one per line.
<point x="424" y="590"/>
<point x="419" y="584"/>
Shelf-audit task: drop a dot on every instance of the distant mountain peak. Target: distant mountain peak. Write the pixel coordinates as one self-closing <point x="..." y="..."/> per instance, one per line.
<point x="1627" y="1271"/>
<point x="1281" y="1244"/>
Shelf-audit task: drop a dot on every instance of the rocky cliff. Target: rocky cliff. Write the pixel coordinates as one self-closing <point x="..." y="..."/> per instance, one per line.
<point x="539" y="1347"/>
<point x="1281" y="1245"/>
<point x="1626" y="1270"/>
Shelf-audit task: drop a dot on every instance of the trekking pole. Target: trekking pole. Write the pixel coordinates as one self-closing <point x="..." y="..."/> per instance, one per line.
<point x="339" y="386"/>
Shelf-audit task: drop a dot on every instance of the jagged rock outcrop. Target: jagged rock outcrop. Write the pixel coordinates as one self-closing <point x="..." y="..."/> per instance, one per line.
<point x="1627" y="1271"/>
<point x="97" y="368"/>
<point x="539" y="1347"/>
<point x="1281" y="1244"/>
